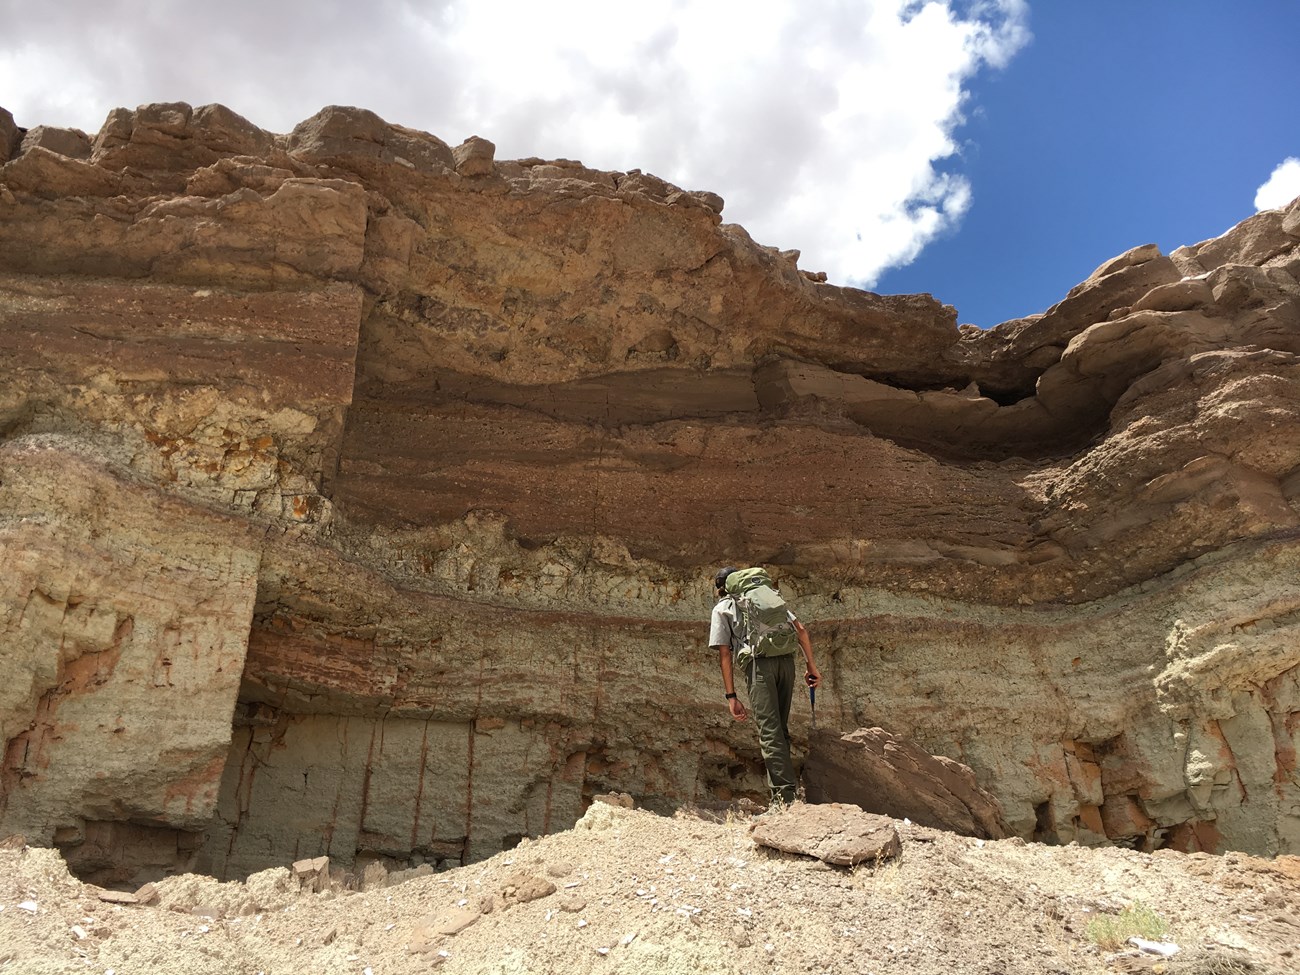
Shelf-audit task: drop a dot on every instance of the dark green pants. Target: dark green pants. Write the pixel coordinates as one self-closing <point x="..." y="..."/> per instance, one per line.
<point x="771" y="688"/>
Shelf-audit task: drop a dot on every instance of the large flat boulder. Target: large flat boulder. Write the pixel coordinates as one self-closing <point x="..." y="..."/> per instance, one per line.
<point x="840" y="834"/>
<point x="888" y="774"/>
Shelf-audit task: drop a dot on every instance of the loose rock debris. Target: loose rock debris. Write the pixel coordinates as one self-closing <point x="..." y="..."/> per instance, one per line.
<point x="672" y="896"/>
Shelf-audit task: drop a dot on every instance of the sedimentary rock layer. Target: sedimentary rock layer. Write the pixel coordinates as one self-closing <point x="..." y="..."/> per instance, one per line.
<point x="359" y="495"/>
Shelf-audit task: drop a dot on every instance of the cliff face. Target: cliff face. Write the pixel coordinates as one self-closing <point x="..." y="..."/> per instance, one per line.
<point x="359" y="495"/>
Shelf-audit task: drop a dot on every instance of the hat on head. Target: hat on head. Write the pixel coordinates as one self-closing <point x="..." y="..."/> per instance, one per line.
<point x="720" y="580"/>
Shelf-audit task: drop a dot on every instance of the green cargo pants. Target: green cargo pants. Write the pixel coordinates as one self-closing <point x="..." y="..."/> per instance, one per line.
<point x="771" y="687"/>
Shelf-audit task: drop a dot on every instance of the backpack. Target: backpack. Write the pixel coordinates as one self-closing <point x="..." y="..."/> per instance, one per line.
<point x="764" y="622"/>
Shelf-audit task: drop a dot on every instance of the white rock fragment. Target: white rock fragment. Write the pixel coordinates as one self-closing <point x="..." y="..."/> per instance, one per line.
<point x="1165" y="949"/>
<point x="29" y="906"/>
<point x="80" y="932"/>
<point x="628" y="938"/>
<point x="602" y="951"/>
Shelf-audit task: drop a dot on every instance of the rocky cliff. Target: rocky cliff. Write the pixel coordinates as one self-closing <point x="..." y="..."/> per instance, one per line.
<point x="359" y="494"/>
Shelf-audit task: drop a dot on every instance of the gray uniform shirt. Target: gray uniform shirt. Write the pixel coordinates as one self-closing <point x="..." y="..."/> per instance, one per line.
<point x="724" y="627"/>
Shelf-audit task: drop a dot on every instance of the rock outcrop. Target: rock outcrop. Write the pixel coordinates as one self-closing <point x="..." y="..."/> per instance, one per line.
<point x="359" y="495"/>
<point x="884" y="774"/>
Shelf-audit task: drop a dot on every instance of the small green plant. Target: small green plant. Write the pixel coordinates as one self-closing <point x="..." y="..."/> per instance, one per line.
<point x="1113" y="930"/>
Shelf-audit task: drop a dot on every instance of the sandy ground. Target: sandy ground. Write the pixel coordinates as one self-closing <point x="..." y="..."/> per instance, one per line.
<point x="627" y="891"/>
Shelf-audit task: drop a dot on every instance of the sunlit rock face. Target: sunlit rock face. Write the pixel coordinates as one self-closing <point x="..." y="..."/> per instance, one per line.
<point x="359" y="494"/>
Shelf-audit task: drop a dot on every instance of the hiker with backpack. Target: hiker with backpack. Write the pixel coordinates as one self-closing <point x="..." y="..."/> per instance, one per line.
<point x="755" y="633"/>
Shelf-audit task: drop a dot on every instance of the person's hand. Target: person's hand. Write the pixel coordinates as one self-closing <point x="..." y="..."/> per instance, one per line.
<point x="737" y="709"/>
<point x="814" y="676"/>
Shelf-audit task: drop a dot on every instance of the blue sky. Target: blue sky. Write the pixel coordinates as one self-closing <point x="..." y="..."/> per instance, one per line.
<point x="990" y="152"/>
<point x="1122" y="122"/>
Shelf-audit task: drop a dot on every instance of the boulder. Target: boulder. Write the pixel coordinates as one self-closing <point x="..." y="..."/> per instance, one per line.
<point x="890" y="775"/>
<point x="228" y="132"/>
<point x="1291" y="218"/>
<point x="520" y="887"/>
<point x="72" y="143"/>
<point x="840" y="834"/>
<point x="45" y="173"/>
<point x="312" y="873"/>
<point x="474" y="157"/>
<point x="1116" y="284"/>
<point x="711" y="201"/>
<point x="10" y="136"/>
<point x="1176" y="296"/>
<point x="1253" y="241"/>
<point x="168" y="140"/>
<point x="342" y="131"/>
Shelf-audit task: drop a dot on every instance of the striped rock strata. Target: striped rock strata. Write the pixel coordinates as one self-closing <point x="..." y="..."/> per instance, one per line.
<point x="359" y="496"/>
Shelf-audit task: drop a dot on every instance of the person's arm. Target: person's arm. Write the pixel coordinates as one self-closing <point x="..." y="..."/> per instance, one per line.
<point x="814" y="675"/>
<point x="720" y="639"/>
<point x="729" y="684"/>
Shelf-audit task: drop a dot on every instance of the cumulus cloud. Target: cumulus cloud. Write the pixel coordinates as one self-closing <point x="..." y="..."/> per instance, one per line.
<point x="1280" y="188"/>
<point x="827" y="126"/>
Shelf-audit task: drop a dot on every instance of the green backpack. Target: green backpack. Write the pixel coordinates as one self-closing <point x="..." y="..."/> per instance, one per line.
<point x="764" y="623"/>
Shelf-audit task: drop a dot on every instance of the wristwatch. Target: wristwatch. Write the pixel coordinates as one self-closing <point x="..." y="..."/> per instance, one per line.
<point x="731" y="697"/>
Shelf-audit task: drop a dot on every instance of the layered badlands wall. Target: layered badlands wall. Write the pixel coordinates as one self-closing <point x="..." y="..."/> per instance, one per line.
<point x="359" y="495"/>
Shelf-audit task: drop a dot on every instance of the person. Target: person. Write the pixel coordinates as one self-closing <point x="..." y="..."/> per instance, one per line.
<point x="769" y="684"/>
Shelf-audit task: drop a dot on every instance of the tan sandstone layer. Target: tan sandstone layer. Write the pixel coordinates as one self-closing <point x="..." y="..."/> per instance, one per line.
<point x="359" y="493"/>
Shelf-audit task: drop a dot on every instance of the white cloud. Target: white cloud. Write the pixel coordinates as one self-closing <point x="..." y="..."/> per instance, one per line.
<point x="1280" y="188"/>
<point x="823" y="124"/>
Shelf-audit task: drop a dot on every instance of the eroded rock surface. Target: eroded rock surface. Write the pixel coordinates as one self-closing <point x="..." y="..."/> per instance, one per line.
<point x="888" y="775"/>
<point x="359" y="496"/>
